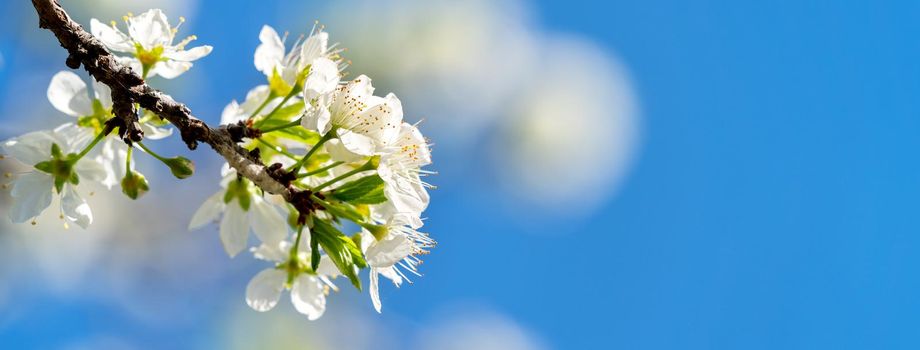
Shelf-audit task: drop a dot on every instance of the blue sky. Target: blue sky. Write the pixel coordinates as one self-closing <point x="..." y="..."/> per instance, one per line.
<point x="771" y="202"/>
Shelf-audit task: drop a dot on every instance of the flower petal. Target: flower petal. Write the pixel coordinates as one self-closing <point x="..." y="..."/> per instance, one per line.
<point x="267" y="223"/>
<point x="155" y="133"/>
<point x="324" y="78"/>
<point x="314" y="47"/>
<point x="381" y="120"/>
<point x="327" y="267"/>
<point x="190" y="54"/>
<point x="102" y="93"/>
<point x="31" y="196"/>
<point x="235" y="112"/>
<point x="357" y="143"/>
<point x="75" y="209"/>
<point x="209" y="210"/>
<point x="389" y="251"/>
<point x="391" y="274"/>
<point x="132" y="62"/>
<point x="69" y="94"/>
<point x="232" y="113"/>
<point x="407" y="195"/>
<point x="234" y="229"/>
<point x="71" y="137"/>
<point x="272" y="252"/>
<point x="264" y="289"/>
<point x="373" y="289"/>
<point x="316" y="118"/>
<point x="90" y="169"/>
<point x="150" y="29"/>
<point x="270" y="52"/>
<point x="308" y="297"/>
<point x="31" y="148"/>
<point x="170" y="69"/>
<point x="339" y="153"/>
<point x="113" y="38"/>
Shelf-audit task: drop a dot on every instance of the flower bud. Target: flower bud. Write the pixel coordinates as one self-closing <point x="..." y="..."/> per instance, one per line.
<point x="180" y="167"/>
<point x="134" y="184"/>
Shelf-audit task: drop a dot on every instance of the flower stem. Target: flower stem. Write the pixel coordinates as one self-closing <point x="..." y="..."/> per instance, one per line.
<point x="271" y="96"/>
<point x="370" y="165"/>
<point x="280" y="127"/>
<point x="278" y="107"/>
<point x="128" y="160"/>
<point x="90" y="146"/>
<point x="317" y="171"/>
<point x="278" y="149"/>
<point x="296" y="242"/>
<point x="328" y="136"/>
<point x="151" y="152"/>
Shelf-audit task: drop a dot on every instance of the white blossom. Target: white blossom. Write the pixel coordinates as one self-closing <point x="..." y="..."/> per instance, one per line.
<point x="149" y="41"/>
<point x="69" y="94"/>
<point x="400" y="169"/>
<point x="308" y="290"/>
<point x="286" y="69"/>
<point x="243" y="208"/>
<point x="363" y="123"/>
<point x="398" y="246"/>
<point x="33" y="191"/>
<point x="235" y="112"/>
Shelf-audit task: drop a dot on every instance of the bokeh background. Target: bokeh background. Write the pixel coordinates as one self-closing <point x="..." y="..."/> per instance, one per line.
<point x="618" y="175"/>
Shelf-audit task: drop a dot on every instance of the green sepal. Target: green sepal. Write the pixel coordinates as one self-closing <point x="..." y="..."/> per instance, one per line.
<point x="239" y="189"/>
<point x="74" y="178"/>
<point x="59" y="184"/>
<point x="44" y="167"/>
<point x="378" y="231"/>
<point x="277" y="85"/>
<point x="245" y="200"/>
<point x="56" y="151"/>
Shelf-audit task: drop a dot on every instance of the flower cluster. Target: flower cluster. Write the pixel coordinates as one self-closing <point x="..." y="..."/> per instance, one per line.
<point x="349" y="160"/>
<point x="353" y="158"/>
<point x="66" y="158"/>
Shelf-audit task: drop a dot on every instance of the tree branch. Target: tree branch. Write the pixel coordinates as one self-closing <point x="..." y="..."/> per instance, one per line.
<point x="128" y="88"/>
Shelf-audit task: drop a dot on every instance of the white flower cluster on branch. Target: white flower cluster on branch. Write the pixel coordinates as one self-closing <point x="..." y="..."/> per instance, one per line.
<point x="341" y="158"/>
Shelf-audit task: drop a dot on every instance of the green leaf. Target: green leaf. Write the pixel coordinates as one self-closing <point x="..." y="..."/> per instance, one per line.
<point x="366" y="190"/>
<point x="340" y="249"/>
<point x="357" y="257"/>
<point x="344" y="210"/>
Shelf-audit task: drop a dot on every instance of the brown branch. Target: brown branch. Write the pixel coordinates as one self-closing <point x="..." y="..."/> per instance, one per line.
<point x="128" y="88"/>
